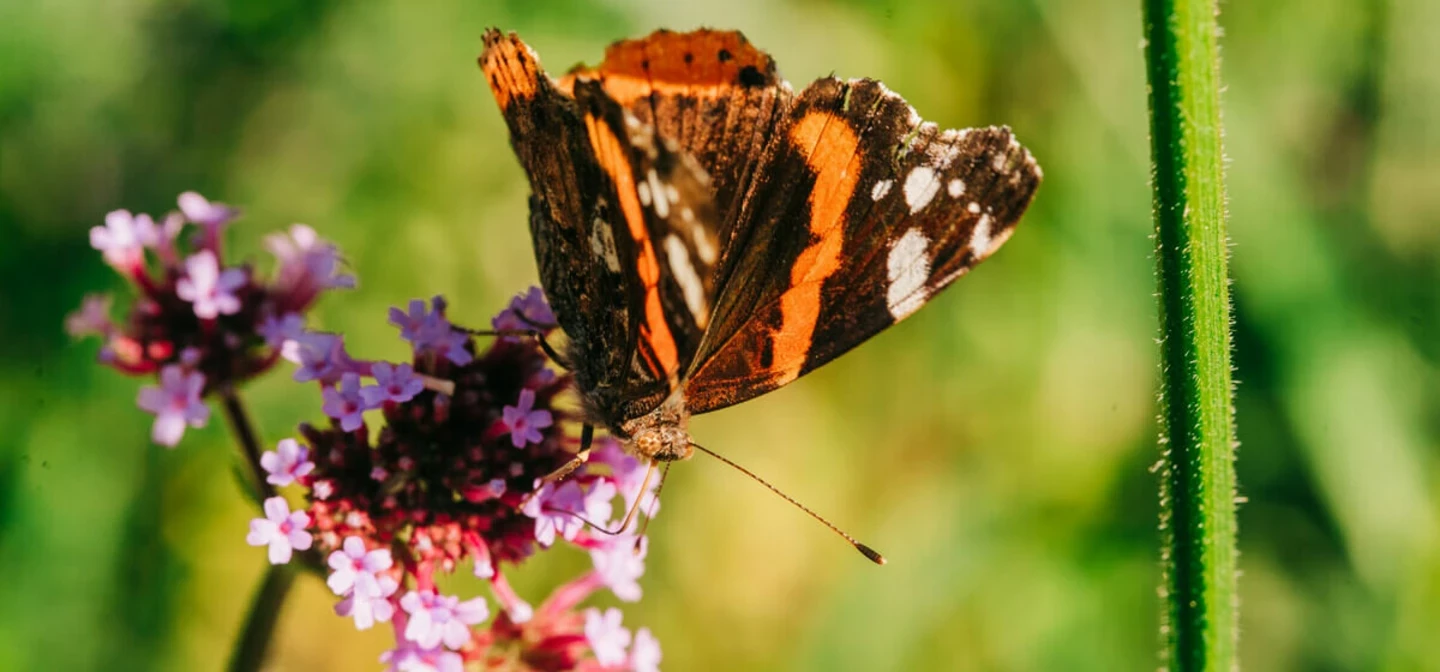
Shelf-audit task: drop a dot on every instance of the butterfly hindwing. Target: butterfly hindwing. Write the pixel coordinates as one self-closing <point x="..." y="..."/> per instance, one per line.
<point x="895" y="210"/>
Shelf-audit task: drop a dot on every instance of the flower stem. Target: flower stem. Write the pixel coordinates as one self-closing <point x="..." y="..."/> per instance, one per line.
<point x="249" y="444"/>
<point x="254" y="642"/>
<point x="250" y="648"/>
<point x="1198" y="479"/>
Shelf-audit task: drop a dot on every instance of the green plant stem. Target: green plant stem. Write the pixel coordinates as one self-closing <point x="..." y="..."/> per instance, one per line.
<point x="244" y="430"/>
<point x="1198" y="478"/>
<point x="249" y="651"/>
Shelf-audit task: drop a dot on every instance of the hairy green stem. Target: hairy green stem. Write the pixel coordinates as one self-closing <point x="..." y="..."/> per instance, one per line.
<point x="248" y="653"/>
<point x="1198" y="476"/>
<point x="249" y="442"/>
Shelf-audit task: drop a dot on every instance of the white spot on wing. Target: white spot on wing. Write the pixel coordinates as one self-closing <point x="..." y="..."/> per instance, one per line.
<point x="956" y="188"/>
<point x="690" y="284"/>
<point x="942" y="152"/>
<point x="880" y="189"/>
<point x="980" y="237"/>
<point x="920" y="187"/>
<point x="644" y="190"/>
<point x="907" y="268"/>
<point x="602" y="243"/>
<point x="662" y="204"/>
<point x="974" y="207"/>
<point x="999" y="162"/>
<point x="705" y="246"/>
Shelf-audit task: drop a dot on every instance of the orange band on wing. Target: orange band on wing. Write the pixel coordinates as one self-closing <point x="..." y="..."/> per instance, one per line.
<point x="699" y="64"/>
<point x="510" y="67"/>
<point x="829" y="144"/>
<point x="655" y="330"/>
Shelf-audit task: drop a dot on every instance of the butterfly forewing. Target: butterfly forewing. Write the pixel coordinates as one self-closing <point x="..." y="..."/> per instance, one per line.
<point x="585" y="257"/>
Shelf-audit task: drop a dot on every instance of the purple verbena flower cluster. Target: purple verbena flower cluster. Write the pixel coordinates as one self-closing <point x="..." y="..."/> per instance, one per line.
<point x="441" y="460"/>
<point x="196" y="323"/>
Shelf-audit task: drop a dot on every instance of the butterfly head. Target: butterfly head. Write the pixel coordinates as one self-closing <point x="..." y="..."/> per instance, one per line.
<point x="661" y="435"/>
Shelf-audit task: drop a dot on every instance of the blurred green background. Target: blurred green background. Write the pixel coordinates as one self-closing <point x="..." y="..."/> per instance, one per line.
<point x="997" y="447"/>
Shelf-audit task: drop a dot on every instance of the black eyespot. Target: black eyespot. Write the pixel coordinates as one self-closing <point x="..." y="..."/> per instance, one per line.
<point x="750" y="76"/>
<point x="689" y="58"/>
<point x="767" y="354"/>
<point x="725" y="55"/>
<point x="645" y="64"/>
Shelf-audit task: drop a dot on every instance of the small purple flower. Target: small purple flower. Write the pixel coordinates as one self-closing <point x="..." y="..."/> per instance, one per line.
<point x="393" y="383"/>
<point x="281" y="529"/>
<point x="451" y="345"/>
<point x="92" y="318"/>
<point x="166" y="232"/>
<point x="211" y="290"/>
<point x="210" y="215"/>
<point x="525" y="423"/>
<point x="414" y="321"/>
<point x="441" y="618"/>
<point x="175" y="403"/>
<point x="308" y="264"/>
<point x="288" y="462"/>
<point x="645" y="654"/>
<point x="322" y="489"/>
<point x="619" y="565"/>
<point x="628" y="473"/>
<point x="608" y="639"/>
<point x="526" y="311"/>
<point x="322" y="357"/>
<point x="353" y="565"/>
<point x="408" y="656"/>
<point x="345" y="404"/>
<point x="305" y="249"/>
<point x="428" y="330"/>
<point x="598" y="502"/>
<point x="369" y="603"/>
<point x="480" y="493"/>
<point x="283" y="333"/>
<point x="554" y="509"/>
<point x="123" y="238"/>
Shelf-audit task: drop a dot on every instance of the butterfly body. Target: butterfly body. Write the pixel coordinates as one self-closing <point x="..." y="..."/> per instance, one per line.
<point x="705" y="234"/>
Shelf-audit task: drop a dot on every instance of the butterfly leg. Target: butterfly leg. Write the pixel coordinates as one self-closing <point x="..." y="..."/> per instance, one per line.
<point x="587" y="436"/>
<point x="532" y="333"/>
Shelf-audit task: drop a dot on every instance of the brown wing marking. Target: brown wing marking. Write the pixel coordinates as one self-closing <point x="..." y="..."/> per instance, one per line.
<point x="663" y="357"/>
<point x="511" y="67"/>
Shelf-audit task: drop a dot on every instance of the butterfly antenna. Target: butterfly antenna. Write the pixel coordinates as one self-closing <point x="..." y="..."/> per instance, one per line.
<point x="866" y="551"/>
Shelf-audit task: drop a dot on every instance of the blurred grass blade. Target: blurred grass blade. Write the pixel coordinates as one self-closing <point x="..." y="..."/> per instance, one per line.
<point x="1198" y="481"/>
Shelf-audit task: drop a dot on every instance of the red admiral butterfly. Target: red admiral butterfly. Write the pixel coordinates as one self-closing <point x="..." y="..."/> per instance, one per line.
<point x="706" y="235"/>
